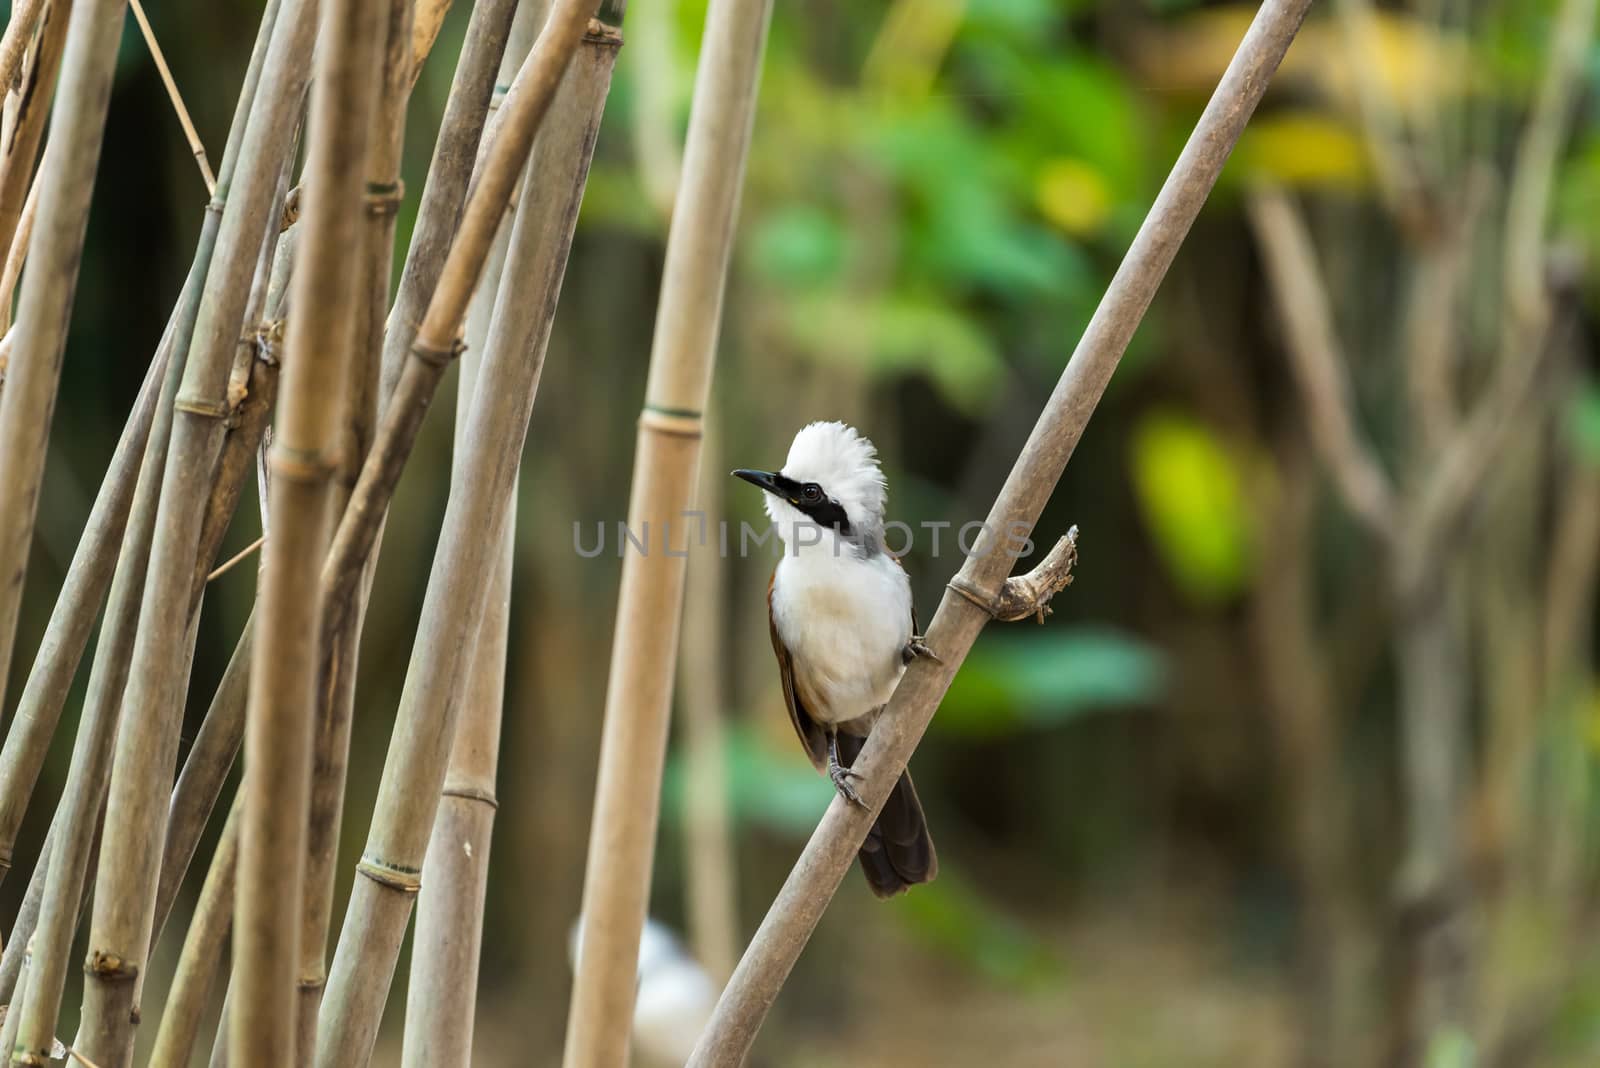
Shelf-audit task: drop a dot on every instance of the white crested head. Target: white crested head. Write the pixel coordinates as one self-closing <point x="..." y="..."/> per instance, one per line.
<point x="835" y="457"/>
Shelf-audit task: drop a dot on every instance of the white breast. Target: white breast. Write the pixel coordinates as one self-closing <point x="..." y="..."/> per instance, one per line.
<point x="845" y="622"/>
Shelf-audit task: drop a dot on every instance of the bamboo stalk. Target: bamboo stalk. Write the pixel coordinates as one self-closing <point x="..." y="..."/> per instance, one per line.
<point x="469" y="546"/>
<point x="445" y="192"/>
<point x="666" y="461"/>
<point x="146" y="745"/>
<point x="22" y="142"/>
<point x="78" y="815"/>
<point x="24" y="17"/>
<point x="34" y="369"/>
<point x="91" y="570"/>
<point x="200" y="961"/>
<point x="708" y="861"/>
<point x="18" y="254"/>
<point x="279" y="724"/>
<point x="335" y="693"/>
<point x="832" y="848"/>
<point x="72" y="619"/>
<point x="433" y="344"/>
<point x="441" y="997"/>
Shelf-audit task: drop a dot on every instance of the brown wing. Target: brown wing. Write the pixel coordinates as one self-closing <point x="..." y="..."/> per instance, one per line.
<point x="811" y="735"/>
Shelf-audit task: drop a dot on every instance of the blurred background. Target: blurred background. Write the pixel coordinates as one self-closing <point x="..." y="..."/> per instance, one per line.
<point x="1312" y="740"/>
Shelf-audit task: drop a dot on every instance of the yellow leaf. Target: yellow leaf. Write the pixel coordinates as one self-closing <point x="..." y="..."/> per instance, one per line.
<point x="1191" y="491"/>
<point x="1302" y="148"/>
<point x="1074" y="196"/>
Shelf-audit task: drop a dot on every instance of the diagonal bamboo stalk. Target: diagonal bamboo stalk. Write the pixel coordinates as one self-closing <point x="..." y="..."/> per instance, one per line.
<point x="468" y="553"/>
<point x="644" y="649"/>
<point x="91" y="570"/>
<point x="445" y="192"/>
<point x="146" y="744"/>
<point x="200" y="961"/>
<point x="279" y="723"/>
<point x="832" y="848"/>
<point x="34" y="370"/>
<point x="24" y="17"/>
<point x="18" y="255"/>
<point x="22" y="144"/>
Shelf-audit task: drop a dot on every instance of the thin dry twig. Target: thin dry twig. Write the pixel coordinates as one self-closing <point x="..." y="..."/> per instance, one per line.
<point x="24" y="16"/>
<point x="832" y="848"/>
<point x="189" y="132"/>
<point x="1320" y="370"/>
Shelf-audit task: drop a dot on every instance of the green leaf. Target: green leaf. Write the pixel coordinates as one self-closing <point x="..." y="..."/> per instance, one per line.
<point x="781" y="791"/>
<point x="1583" y="422"/>
<point x="895" y="336"/>
<point x="799" y="246"/>
<point x="1191" y="491"/>
<point x="1062" y="673"/>
<point x="951" y="915"/>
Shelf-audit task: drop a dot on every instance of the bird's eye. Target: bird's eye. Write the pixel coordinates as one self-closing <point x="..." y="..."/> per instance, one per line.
<point x="811" y="493"/>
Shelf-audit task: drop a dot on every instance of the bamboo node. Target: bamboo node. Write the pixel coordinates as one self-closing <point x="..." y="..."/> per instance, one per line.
<point x="291" y="210"/>
<point x="203" y="407"/>
<point x="301" y="465"/>
<point x="435" y="355"/>
<point x="266" y="339"/>
<point x="405" y="880"/>
<point x="1030" y="594"/>
<point x="602" y="33"/>
<point x="110" y="966"/>
<point x="472" y="793"/>
<point x="383" y="198"/>
<point x="675" y="422"/>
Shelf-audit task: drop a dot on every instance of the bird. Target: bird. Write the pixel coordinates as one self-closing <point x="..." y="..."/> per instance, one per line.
<point x="843" y="629"/>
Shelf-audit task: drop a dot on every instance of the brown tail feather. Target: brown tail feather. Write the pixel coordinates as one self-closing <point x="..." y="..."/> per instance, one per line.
<point x="898" y="852"/>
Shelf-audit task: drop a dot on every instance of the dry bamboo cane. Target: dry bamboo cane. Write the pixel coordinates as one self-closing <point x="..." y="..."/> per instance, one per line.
<point x="981" y="588"/>
<point x="708" y="861"/>
<point x="335" y="693"/>
<point x="445" y="192"/>
<point x="433" y="344"/>
<point x="146" y="744"/>
<point x="22" y="146"/>
<point x="79" y="813"/>
<point x="644" y="649"/>
<point x="18" y="255"/>
<point x="39" y="339"/>
<point x="279" y="723"/>
<point x="201" y="958"/>
<point x="90" y="573"/>
<point x="441" y="996"/>
<point x="24" y="16"/>
<point x="468" y="555"/>
<point x="67" y="634"/>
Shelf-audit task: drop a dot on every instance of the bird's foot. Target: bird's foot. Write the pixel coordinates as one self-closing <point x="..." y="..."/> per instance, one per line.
<point x="916" y="648"/>
<point x="841" y="776"/>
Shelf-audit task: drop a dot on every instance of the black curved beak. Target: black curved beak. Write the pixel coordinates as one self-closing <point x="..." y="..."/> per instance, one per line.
<point x="767" y="480"/>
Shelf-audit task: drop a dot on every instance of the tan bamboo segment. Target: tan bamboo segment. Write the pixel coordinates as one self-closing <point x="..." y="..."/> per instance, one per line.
<point x="200" y="961"/>
<point x="129" y="862"/>
<point x="18" y="254"/>
<point x="33" y="371"/>
<point x="468" y="554"/>
<point x="24" y="16"/>
<point x="441" y="997"/>
<point x="982" y="590"/>
<point x="22" y="144"/>
<point x="335" y="690"/>
<point x="443" y="196"/>
<point x="320" y="347"/>
<point x="666" y="463"/>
